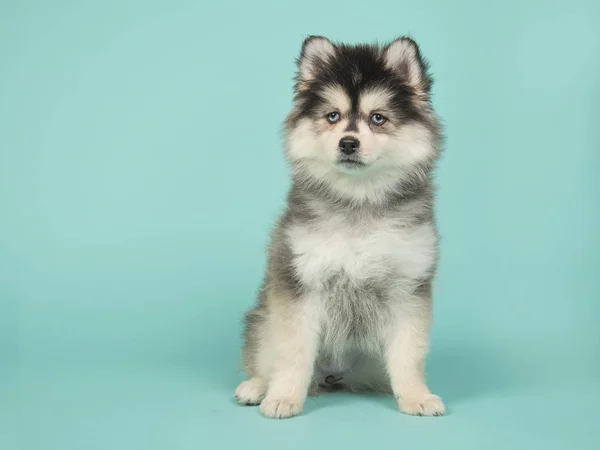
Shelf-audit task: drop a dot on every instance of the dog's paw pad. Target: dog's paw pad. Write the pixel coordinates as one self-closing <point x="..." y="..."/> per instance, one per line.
<point x="280" y="408"/>
<point x="428" y="405"/>
<point x="250" y="392"/>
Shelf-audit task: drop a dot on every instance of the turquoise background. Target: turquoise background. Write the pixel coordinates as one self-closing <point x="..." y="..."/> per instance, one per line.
<point x="141" y="170"/>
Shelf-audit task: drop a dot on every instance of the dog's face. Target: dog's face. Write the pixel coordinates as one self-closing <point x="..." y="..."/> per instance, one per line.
<point x="361" y="115"/>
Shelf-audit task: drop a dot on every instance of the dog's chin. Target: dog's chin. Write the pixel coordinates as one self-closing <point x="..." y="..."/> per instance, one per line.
<point x="350" y="166"/>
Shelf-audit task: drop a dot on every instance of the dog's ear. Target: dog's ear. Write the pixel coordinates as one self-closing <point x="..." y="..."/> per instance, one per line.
<point x="404" y="57"/>
<point x="316" y="50"/>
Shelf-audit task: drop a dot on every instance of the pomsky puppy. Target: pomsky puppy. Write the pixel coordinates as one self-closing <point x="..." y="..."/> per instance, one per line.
<point x="346" y="302"/>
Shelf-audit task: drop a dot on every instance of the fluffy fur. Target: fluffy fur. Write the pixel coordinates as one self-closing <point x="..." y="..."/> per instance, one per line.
<point x="346" y="300"/>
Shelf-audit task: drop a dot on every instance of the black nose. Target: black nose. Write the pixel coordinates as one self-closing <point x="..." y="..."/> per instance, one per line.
<point x="349" y="145"/>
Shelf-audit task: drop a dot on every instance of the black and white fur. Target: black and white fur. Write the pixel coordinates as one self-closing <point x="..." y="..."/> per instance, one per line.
<point x="346" y="302"/>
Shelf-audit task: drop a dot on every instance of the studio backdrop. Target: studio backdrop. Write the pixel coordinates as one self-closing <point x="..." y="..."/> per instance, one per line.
<point x="142" y="169"/>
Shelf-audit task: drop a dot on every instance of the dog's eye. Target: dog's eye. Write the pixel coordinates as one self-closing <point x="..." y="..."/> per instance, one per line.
<point x="333" y="117"/>
<point x="378" y="119"/>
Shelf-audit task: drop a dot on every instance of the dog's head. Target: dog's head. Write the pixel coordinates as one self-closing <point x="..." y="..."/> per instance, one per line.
<point x="362" y="122"/>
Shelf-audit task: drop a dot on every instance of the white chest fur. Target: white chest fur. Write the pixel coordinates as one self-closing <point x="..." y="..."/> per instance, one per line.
<point x="370" y="250"/>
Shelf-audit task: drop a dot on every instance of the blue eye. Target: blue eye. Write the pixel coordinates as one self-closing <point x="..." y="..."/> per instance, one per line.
<point x="378" y="119"/>
<point x="333" y="117"/>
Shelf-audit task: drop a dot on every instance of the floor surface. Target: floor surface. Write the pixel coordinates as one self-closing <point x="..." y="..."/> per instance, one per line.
<point x="130" y="407"/>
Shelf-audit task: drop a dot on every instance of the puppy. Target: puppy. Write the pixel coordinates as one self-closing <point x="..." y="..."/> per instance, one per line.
<point x="346" y="301"/>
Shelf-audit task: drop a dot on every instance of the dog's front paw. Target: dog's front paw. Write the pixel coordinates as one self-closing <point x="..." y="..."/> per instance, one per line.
<point x="427" y="405"/>
<point x="280" y="408"/>
<point x="250" y="392"/>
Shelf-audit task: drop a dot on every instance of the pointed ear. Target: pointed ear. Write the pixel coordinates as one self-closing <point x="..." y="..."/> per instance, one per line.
<point x="403" y="56"/>
<point x="315" y="50"/>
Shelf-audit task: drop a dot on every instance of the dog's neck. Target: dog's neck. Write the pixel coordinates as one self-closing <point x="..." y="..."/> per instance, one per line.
<point x="310" y="197"/>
